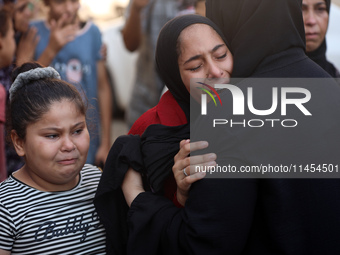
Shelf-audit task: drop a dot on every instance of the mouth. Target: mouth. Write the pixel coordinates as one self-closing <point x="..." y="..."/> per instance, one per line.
<point x="67" y="162"/>
<point x="213" y="81"/>
<point x="311" y="35"/>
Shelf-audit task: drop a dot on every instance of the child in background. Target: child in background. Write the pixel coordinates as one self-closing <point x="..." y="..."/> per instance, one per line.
<point x="46" y="206"/>
<point x="73" y="48"/>
<point x="25" y="36"/>
<point x="7" y="50"/>
<point x="26" y="41"/>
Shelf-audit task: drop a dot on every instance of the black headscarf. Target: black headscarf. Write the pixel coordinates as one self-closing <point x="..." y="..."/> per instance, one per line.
<point x="167" y="59"/>
<point x="243" y="22"/>
<point x="153" y="153"/>
<point x="161" y="143"/>
<point x="319" y="55"/>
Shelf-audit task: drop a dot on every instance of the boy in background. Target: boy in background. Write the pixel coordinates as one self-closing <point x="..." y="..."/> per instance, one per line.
<point x="72" y="47"/>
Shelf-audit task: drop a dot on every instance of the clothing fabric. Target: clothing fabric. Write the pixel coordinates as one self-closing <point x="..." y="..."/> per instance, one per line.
<point x="37" y="222"/>
<point x="13" y="161"/>
<point x="148" y="85"/>
<point x="159" y="132"/>
<point x="256" y="216"/>
<point x="76" y="63"/>
<point x="127" y="152"/>
<point x="319" y="55"/>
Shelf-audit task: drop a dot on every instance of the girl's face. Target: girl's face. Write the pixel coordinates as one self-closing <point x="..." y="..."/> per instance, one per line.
<point x="69" y="8"/>
<point x="55" y="148"/>
<point x="203" y="54"/>
<point x="315" y="17"/>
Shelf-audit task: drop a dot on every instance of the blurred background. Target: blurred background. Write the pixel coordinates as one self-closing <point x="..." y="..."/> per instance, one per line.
<point x="109" y="16"/>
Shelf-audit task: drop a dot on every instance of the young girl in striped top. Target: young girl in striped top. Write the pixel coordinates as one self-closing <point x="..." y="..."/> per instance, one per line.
<point x="46" y="206"/>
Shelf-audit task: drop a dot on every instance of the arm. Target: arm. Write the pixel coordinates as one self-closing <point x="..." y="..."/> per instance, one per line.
<point x="216" y="219"/>
<point x="217" y="216"/>
<point x="132" y="29"/>
<point x="3" y="252"/>
<point x="59" y="37"/>
<point x="105" y="107"/>
<point x="26" y="46"/>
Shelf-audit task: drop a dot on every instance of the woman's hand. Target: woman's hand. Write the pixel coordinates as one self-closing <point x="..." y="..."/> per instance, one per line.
<point x="132" y="185"/>
<point x="187" y="169"/>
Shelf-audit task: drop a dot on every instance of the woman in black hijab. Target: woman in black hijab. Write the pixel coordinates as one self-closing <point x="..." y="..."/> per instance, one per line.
<point x="257" y="216"/>
<point x="159" y="130"/>
<point x="316" y="18"/>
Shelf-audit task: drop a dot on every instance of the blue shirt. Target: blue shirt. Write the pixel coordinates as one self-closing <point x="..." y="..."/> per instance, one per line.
<point x="76" y="63"/>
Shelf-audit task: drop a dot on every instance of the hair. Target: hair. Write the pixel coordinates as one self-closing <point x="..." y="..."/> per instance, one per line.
<point x="5" y="20"/>
<point x="33" y="97"/>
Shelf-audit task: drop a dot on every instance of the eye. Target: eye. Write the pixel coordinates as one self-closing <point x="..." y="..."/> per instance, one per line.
<point x="223" y="56"/>
<point x="78" y="131"/>
<point x="321" y="9"/>
<point x="195" y="68"/>
<point x="51" y="136"/>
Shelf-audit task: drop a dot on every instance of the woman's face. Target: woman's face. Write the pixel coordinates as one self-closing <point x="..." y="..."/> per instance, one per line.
<point x="203" y="54"/>
<point x="315" y="17"/>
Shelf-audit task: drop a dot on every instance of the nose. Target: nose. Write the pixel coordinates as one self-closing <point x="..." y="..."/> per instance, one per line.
<point x="214" y="71"/>
<point x="310" y="17"/>
<point x="68" y="6"/>
<point x="28" y="12"/>
<point x="68" y="144"/>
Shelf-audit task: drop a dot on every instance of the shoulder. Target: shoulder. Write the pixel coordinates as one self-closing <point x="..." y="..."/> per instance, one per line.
<point x="90" y="171"/>
<point x="91" y="28"/>
<point x="9" y="185"/>
<point x="148" y="118"/>
<point x="167" y="112"/>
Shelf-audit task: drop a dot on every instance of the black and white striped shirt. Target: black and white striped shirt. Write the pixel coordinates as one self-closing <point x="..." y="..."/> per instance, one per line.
<point x="37" y="222"/>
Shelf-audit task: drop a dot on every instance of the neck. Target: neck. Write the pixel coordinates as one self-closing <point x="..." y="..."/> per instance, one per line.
<point x="26" y="176"/>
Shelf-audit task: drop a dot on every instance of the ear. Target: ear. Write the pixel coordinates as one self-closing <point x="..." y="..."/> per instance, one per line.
<point x="18" y="143"/>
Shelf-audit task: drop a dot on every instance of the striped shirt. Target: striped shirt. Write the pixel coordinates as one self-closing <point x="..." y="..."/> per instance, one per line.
<point x="38" y="222"/>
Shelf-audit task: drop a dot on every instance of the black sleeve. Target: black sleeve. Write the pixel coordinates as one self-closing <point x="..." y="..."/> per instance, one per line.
<point x="216" y="220"/>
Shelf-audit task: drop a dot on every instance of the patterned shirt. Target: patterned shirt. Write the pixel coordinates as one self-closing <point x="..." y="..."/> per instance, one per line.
<point x="38" y="222"/>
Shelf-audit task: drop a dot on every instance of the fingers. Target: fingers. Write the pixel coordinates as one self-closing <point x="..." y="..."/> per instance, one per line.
<point x="190" y="179"/>
<point x="62" y="21"/>
<point x="201" y="159"/>
<point x="53" y="24"/>
<point x="103" y="51"/>
<point x="186" y="147"/>
<point x="204" y="164"/>
<point x="183" y="142"/>
<point x="32" y="36"/>
<point x="69" y="34"/>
